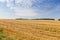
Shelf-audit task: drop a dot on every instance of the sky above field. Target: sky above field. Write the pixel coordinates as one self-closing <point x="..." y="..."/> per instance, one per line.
<point x="29" y="9"/>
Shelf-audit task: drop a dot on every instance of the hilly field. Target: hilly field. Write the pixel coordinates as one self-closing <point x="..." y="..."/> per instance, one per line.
<point x="30" y="29"/>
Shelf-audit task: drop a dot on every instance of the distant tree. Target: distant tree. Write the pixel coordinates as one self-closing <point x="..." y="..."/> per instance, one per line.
<point x="59" y="19"/>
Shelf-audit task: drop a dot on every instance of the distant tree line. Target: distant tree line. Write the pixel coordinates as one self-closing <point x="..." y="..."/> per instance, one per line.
<point x="21" y="19"/>
<point x="35" y="19"/>
<point x="44" y="19"/>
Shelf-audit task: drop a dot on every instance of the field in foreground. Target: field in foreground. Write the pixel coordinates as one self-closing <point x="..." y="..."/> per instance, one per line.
<point x="31" y="29"/>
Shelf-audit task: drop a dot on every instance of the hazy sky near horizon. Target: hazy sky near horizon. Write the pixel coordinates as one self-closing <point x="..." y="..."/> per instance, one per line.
<point x="29" y="9"/>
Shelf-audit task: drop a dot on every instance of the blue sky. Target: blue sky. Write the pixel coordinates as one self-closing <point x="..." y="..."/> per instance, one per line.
<point x="10" y="9"/>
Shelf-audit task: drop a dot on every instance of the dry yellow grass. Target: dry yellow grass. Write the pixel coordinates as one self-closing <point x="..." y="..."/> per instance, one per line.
<point x="31" y="29"/>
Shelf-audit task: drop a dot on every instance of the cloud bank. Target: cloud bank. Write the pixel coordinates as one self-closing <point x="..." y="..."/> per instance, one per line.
<point x="32" y="8"/>
<point x="37" y="8"/>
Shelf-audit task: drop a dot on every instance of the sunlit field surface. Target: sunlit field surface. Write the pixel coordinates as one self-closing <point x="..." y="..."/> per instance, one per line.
<point x="31" y="29"/>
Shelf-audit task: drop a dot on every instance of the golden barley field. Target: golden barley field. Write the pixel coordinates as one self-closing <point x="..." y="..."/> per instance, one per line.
<point x="31" y="29"/>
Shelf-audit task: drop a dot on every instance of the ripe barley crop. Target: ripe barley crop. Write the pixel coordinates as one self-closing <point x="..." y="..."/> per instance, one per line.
<point x="31" y="29"/>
